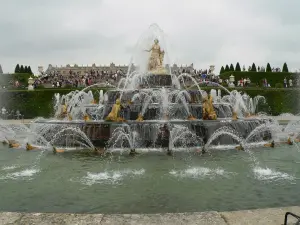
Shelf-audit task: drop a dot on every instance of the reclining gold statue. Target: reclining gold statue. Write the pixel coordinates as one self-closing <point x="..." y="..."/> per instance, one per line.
<point x="114" y="115"/>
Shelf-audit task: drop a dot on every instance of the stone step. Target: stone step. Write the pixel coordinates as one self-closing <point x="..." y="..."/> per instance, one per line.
<point x="272" y="216"/>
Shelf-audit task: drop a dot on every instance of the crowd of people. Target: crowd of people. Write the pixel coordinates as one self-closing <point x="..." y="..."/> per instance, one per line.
<point x="73" y="79"/>
<point x="12" y="114"/>
<point x="55" y="79"/>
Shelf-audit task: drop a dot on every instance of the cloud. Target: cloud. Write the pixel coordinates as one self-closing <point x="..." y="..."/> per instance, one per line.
<point x="201" y="32"/>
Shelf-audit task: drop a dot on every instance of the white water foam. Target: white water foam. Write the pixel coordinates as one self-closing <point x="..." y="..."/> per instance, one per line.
<point x="26" y="174"/>
<point x="110" y="176"/>
<point x="12" y="167"/>
<point x="267" y="174"/>
<point x="200" y="173"/>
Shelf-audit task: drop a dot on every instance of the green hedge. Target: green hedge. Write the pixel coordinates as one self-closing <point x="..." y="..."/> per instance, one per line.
<point x="39" y="103"/>
<point x="278" y="100"/>
<point x="257" y="77"/>
<point x="21" y="77"/>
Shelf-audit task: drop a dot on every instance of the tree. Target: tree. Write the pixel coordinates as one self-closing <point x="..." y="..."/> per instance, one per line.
<point x="25" y="69"/>
<point x="231" y="68"/>
<point x="237" y="67"/>
<point x="227" y="68"/>
<point x="22" y="69"/>
<point x="268" y="68"/>
<point x="17" y="69"/>
<point x="29" y="70"/>
<point x="253" y="68"/>
<point x="285" y="68"/>
<point x="222" y="70"/>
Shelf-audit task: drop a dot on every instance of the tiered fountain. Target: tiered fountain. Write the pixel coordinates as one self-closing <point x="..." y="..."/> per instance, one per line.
<point x="151" y="97"/>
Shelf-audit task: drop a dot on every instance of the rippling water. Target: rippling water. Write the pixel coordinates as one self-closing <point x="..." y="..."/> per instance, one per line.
<point x="150" y="182"/>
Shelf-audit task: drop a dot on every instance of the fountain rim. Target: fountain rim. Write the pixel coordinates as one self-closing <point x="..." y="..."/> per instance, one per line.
<point x="129" y="122"/>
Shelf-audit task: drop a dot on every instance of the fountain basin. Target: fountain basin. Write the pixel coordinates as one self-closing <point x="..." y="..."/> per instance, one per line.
<point x="99" y="132"/>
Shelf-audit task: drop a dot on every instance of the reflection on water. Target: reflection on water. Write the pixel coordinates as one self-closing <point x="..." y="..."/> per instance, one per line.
<point x="149" y="182"/>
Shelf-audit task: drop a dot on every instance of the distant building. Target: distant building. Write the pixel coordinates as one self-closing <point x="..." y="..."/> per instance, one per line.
<point x="1" y="71"/>
<point x="83" y="69"/>
<point x="112" y="68"/>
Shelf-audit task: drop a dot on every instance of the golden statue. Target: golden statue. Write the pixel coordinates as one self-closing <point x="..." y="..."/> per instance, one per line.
<point x="208" y="111"/>
<point x="30" y="147"/>
<point x="191" y="117"/>
<point x="248" y="114"/>
<point x="94" y="102"/>
<point x="234" y="115"/>
<point x="114" y="115"/>
<point x="155" y="63"/>
<point x="70" y="117"/>
<point x="13" y="144"/>
<point x="64" y="109"/>
<point x="140" y="118"/>
<point x="86" y="117"/>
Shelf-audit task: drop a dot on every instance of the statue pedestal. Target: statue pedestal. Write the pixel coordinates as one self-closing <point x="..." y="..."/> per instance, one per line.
<point x="30" y="84"/>
<point x="231" y="85"/>
<point x="231" y="81"/>
<point x="157" y="80"/>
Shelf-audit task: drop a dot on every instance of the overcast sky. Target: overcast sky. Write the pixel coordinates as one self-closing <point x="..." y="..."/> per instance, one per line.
<point x="40" y="32"/>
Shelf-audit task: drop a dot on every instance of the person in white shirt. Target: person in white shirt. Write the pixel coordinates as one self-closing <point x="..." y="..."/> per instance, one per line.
<point x="285" y="82"/>
<point x="3" y="112"/>
<point x="291" y="82"/>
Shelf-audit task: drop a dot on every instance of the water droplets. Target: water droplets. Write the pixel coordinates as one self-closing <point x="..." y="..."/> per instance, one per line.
<point x="200" y="173"/>
<point x="267" y="174"/>
<point x="110" y="177"/>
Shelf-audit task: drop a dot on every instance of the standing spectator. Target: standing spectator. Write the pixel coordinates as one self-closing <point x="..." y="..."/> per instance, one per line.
<point x="248" y="81"/>
<point x="245" y="82"/>
<point x="291" y="82"/>
<point x="285" y="82"/>
<point x="3" y="112"/>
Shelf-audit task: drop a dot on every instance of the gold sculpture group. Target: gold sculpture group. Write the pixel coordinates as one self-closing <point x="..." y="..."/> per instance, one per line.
<point x="208" y="111"/>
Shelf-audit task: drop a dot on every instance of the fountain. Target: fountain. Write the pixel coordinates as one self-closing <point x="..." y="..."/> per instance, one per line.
<point x="149" y="98"/>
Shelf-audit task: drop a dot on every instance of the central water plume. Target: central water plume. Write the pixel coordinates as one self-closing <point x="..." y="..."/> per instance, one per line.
<point x="138" y="66"/>
<point x="164" y="113"/>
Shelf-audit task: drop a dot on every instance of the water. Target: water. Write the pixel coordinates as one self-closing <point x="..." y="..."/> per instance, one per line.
<point x="148" y="183"/>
